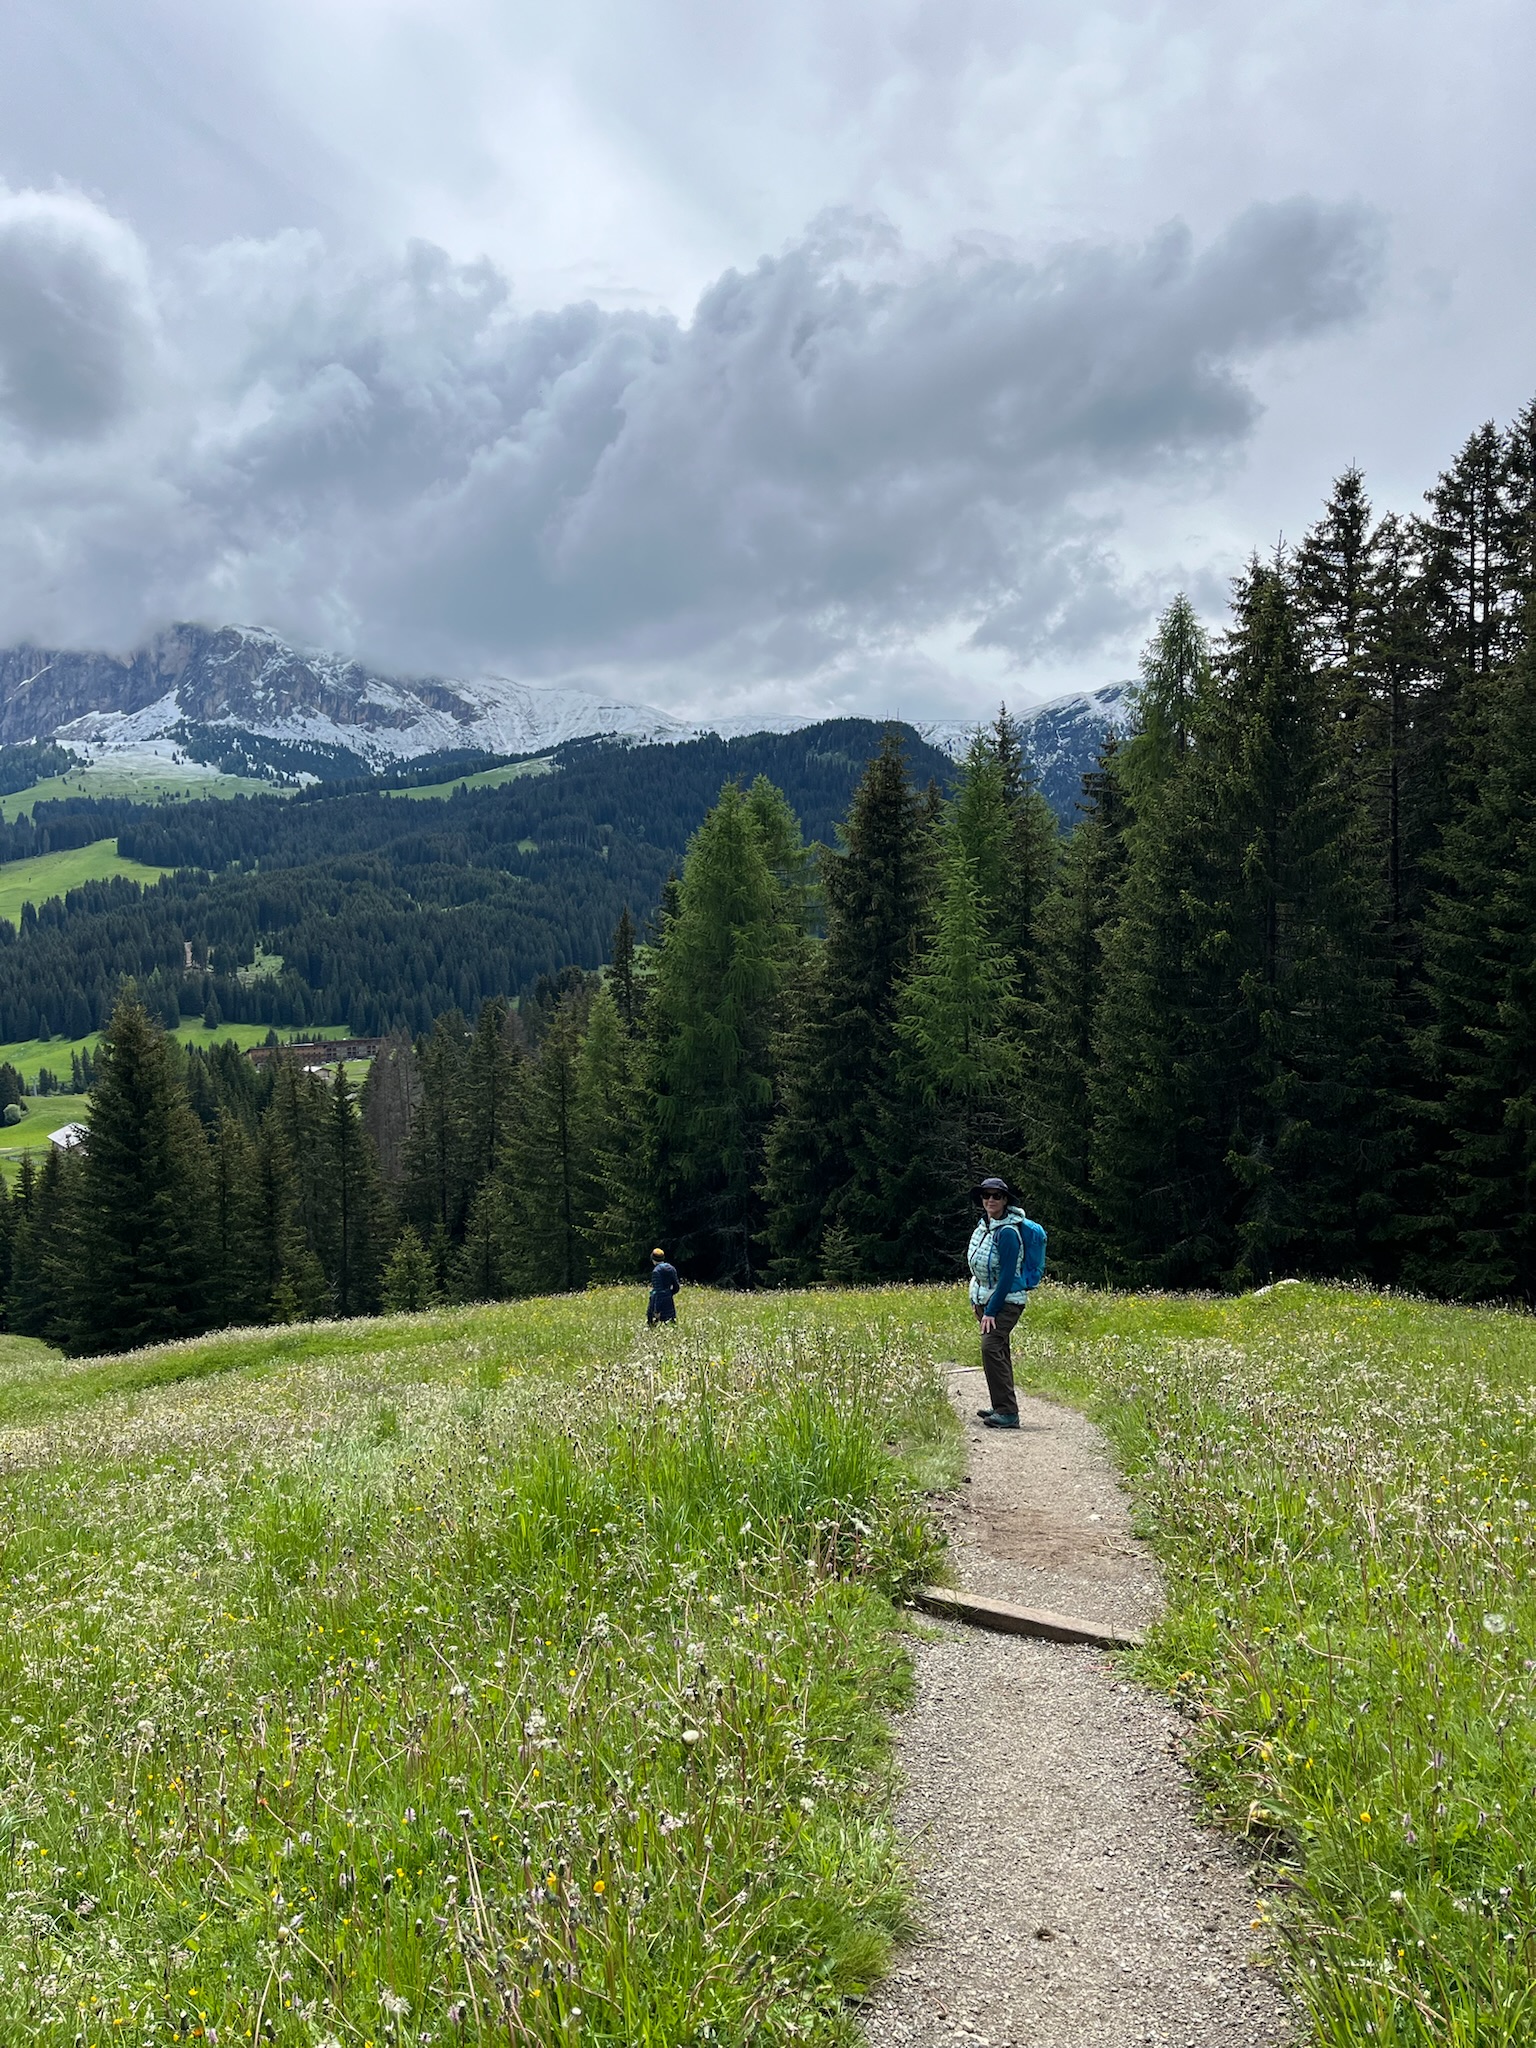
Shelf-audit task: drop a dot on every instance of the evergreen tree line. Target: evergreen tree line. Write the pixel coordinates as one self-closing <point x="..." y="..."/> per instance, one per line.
<point x="379" y="913"/>
<point x="1264" y="1010"/>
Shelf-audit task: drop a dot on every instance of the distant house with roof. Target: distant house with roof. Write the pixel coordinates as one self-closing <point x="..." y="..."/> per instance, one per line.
<point x="68" y="1136"/>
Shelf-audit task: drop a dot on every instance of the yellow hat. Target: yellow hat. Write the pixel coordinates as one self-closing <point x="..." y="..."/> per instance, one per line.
<point x="657" y="1252"/>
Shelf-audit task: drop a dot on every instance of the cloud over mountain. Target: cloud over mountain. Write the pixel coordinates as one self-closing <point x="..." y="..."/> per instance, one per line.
<point x="844" y="448"/>
<point x="75" y="317"/>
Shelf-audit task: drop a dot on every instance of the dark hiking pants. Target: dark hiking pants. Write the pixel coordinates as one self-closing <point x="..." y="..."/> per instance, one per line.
<point x="660" y="1309"/>
<point x="997" y="1358"/>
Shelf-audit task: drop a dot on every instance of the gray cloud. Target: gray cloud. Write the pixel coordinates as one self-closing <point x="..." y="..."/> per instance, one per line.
<point x="75" y="325"/>
<point x="848" y="446"/>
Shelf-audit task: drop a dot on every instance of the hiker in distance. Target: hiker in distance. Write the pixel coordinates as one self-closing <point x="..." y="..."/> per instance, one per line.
<point x="662" y="1306"/>
<point x="1007" y="1259"/>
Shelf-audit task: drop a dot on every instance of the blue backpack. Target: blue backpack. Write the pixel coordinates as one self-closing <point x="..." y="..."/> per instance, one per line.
<point x="1033" y="1236"/>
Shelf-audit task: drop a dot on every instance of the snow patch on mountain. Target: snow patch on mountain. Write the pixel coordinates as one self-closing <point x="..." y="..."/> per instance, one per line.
<point x="167" y="703"/>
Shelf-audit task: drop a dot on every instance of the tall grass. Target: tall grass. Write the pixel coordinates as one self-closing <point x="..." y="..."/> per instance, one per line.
<point x="500" y="1676"/>
<point x="1342" y="1488"/>
<point x="514" y="1675"/>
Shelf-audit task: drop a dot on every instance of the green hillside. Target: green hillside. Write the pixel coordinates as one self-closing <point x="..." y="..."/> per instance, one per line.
<point x="55" y="874"/>
<point x="27" y="1055"/>
<point x="488" y="778"/>
<point x="40" y="1115"/>
<point x="514" y="1664"/>
<point x="138" y="785"/>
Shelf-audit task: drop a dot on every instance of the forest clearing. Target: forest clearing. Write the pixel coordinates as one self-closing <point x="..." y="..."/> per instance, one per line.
<point x="512" y="1672"/>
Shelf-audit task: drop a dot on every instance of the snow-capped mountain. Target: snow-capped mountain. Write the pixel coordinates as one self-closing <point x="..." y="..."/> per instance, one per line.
<point x="192" y="684"/>
<point x="238" y="697"/>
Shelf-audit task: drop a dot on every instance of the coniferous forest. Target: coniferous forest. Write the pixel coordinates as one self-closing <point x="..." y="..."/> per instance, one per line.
<point x="1265" y="1009"/>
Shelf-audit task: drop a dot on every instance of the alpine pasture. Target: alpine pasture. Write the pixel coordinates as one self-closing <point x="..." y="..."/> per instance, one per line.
<point x="515" y="1673"/>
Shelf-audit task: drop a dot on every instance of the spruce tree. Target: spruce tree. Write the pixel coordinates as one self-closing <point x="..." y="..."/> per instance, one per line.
<point x="388" y="1101"/>
<point x="1478" y="1237"/>
<point x="277" y="1240"/>
<point x="1063" y="1021"/>
<point x="1238" y="1118"/>
<point x="42" y="1293"/>
<point x="623" y="978"/>
<point x="142" y="1274"/>
<point x="712" y="1014"/>
<point x="356" y="1226"/>
<point x="617" y="1173"/>
<point x="26" y="1311"/>
<point x="491" y="1078"/>
<point x="299" y="1114"/>
<point x="543" y="1170"/>
<point x="956" y="1024"/>
<point x="9" y="1216"/>
<point x="482" y="1266"/>
<point x="1331" y="576"/>
<point x="436" y="1190"/>
<point x="408" y="1283"/>
<point x="236" y="1292"/>
<point x="852" y="1149"/>
<point x="1031" y="843"/>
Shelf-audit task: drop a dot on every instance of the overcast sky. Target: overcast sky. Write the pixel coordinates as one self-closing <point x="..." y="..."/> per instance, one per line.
<point x="884" y="355"/>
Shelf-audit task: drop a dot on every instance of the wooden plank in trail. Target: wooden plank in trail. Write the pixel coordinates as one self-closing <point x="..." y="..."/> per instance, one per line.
<point x="1007" y="1619"/>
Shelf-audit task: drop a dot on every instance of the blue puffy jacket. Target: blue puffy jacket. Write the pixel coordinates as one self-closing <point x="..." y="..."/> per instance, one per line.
<point x="1006" y="1258"/>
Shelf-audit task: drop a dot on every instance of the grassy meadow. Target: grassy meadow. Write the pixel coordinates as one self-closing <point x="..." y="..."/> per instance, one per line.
<point x="513" y="1673"/>
<point x="40" y="1115"/>
<point x="506" y="1674"/>
<point x="488" y="778"/>
<point x="1341" y="1486"/>
<point x="28" y="1055"/>
<point x="45" y="1113"/>
<point x="55" y="874"/>
<point x="141" y="784"/>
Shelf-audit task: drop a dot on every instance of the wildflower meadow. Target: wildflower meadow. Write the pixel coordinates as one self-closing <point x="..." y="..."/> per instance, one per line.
<point x="498" y="1675"/>
<point x="512" y="1674"/>
<point x="1342" y="1487"/>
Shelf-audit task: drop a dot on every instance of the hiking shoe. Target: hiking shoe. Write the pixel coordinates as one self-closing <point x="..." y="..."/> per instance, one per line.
<point x="999" y="1421"/>
<point x="985" y="1414"/>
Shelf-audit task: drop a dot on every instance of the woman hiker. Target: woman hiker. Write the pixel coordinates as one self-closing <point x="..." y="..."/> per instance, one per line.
<point x="1006" y="1258"/>
<point x="662" y="1306"/>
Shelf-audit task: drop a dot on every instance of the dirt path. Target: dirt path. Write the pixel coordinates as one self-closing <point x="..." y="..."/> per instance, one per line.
<point x="1069" y="1897"/>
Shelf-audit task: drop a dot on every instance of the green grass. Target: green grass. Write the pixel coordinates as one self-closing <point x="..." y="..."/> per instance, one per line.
<point x="139" y="785"/>
<point x="488" y="778"/>
<point x="41" y="1114"/>
<point x="27" y="1055"/>
<point x="511" y="1660"/>
<point x="55" y="874"/>
<point x="509" y="1674"/>
<point x="1343" y="1490"/>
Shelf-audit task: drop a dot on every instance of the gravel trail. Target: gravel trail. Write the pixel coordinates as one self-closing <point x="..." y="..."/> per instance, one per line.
<point x="1070" y="1898"/>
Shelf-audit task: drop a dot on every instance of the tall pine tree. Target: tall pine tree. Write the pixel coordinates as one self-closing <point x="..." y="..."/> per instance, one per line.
<point x="852" y="1158"/>
<point x="142" y="1273"/>
<point x="1240" y="1125"/>
<point x="1479" y="1238"/>
<point x="719" y="981"/>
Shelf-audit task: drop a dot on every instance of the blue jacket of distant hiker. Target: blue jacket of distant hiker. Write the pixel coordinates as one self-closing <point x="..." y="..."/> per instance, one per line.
<point x="996" y="1260"/>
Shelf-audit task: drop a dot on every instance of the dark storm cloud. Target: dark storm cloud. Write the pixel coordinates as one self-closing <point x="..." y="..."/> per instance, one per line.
<point x="847" y="443"/>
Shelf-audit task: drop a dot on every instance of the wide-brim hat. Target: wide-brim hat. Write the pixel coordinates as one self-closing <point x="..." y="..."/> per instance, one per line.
<point x="994" y="1184"/>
